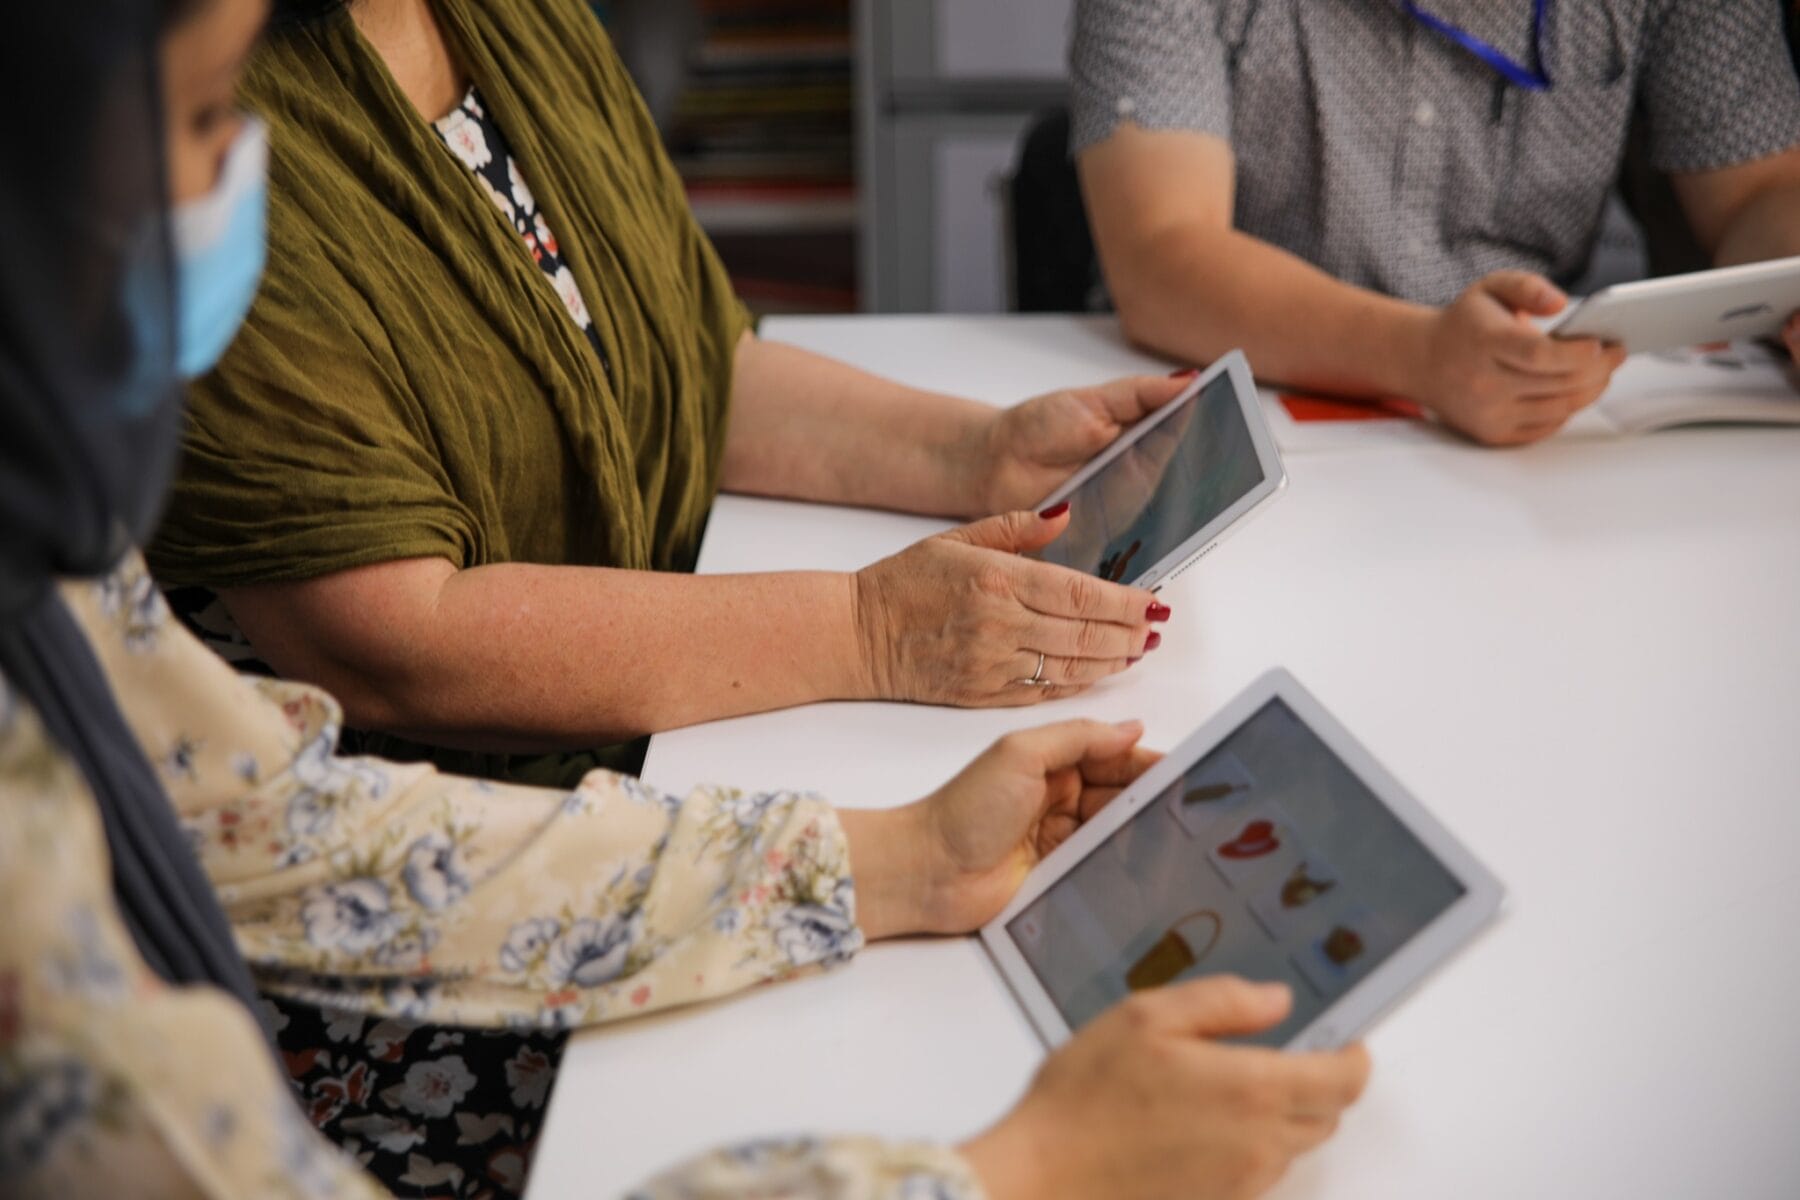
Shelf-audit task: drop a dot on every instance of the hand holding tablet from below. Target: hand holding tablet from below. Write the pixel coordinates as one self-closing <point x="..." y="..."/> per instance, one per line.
<point x="1031" y="449"/>
<point x="961" y="619"/>
<point x="1143" y="1103"/>
<point x="1140" y="1103"/>
<point x="1492" y="375"/>
<point x="950" y="862"/>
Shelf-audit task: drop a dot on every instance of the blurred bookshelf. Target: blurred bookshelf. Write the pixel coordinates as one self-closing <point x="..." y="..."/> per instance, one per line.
<point x="756" y="102"/>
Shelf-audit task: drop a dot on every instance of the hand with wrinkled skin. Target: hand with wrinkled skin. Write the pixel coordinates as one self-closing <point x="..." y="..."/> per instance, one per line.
<point x="1028" y="451"/>
<point x="960" y="618"/>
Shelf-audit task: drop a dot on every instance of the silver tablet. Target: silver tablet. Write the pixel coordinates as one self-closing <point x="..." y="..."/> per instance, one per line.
<point x="1268" y="845"/>
<point x="1752" y="301"/>
<point x="1171" y="486"/>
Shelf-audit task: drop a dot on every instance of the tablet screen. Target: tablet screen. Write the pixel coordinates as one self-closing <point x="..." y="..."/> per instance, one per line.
<point x="1268" y="859"/>
<point x="1162" y="490"/>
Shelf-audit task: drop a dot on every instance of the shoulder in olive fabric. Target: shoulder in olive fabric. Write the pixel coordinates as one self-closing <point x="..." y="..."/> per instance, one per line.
<point x="408" y="383"/>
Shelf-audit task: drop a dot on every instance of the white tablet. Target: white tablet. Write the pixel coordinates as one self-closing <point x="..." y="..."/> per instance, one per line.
<point x="1171" y="486"/>
<point x="1268" y="845"/>
<point x="1752" y="301"/>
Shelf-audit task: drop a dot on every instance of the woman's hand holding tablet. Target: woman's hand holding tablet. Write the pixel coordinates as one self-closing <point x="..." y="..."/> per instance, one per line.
<point x="1163" y="1105"/>
<point x="950" y="621"/>
<point x="1033" y="448"/>
<point x="968" y="618"/>
<point x="1147" y="1102"/>
<point x="1169" y="489"/>
<point x="1270" y="845"/>
<point x="950" y="862"/>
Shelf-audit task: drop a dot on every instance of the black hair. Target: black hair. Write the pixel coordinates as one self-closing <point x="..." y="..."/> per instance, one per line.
<point x="283" y="14"/>
<point x="174" y="12"/>
<point x="286" y="14"/>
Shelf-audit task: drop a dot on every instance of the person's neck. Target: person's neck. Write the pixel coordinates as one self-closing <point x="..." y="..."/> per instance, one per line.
<point x="406" y="34"/>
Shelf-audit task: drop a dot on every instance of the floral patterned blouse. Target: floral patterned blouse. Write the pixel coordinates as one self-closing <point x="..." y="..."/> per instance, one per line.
<point x="380" y="888"/>
<point x="475" y="138"/>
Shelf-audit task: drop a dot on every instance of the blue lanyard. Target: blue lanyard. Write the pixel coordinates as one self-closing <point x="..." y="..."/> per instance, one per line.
<point x="1532" y="80"/>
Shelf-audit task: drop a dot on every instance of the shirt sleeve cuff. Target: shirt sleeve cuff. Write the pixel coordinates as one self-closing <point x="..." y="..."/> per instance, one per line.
<point x="820" y="1169"/>
<point x="1688" y="151"/>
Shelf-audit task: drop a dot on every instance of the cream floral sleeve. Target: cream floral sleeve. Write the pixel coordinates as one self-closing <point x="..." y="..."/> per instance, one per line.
<point x="112" y="1084"/>
<point x="815" y="1169"/>
<point x="390" y="889"/>
<point x="382" y="888"/>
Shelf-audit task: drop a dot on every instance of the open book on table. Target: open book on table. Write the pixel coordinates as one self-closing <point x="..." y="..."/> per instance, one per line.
<point x="1736" y="383"/>
<point x="1740" y="383"/>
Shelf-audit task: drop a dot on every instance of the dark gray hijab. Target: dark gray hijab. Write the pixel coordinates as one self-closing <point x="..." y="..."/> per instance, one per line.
<point x="90" y="416"/>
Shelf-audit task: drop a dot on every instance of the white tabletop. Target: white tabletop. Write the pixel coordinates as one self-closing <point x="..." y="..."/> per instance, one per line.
<point x="1583" y="656"/>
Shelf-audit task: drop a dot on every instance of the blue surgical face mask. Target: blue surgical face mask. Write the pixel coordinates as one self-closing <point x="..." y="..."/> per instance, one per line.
<point x="220" y="243"/>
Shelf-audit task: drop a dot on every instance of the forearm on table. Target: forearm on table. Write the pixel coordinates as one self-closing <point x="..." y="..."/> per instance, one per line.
<point x="1767" y="226"/>
<point x="888" y="862"/>
<point x="1196" y="293"/>
<point x="524" y="658"/>
<point x="808" y="427"/>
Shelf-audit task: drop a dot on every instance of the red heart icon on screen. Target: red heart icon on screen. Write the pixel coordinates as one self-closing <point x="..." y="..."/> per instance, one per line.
<point x="1257" y="840"/>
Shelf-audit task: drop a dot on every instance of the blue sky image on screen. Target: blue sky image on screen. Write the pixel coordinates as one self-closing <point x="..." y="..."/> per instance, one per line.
<point x="1268" y="859"/>
<point x="1162" y="490"/>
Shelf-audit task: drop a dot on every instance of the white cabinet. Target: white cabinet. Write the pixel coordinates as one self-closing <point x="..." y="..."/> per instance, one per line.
<point x="1001" y="39"/>
<point x="947" y="89"/>
<point x="974" y="40"/>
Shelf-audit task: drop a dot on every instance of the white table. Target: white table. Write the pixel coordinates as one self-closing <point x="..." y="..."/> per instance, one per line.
<point x="1584" y="656"/>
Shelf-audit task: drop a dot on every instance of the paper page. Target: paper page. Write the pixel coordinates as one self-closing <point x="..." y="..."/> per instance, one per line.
<point x="1737" y="382"/>
<point x="1747" y="382"/>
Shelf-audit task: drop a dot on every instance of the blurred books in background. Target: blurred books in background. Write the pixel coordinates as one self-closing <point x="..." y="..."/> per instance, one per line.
<point x="762" y="132"/>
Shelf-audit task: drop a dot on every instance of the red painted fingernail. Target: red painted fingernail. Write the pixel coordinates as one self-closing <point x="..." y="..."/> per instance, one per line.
<point x="1054" y="511"/>
<point x="1132" y="662"/>
<point x="1157" y="612"/>
<point x="1152" y="642"/>
<point x="1184" y="373"/>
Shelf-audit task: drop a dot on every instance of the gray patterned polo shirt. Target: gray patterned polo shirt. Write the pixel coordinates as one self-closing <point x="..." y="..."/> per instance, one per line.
<point x="1387" y="155"/>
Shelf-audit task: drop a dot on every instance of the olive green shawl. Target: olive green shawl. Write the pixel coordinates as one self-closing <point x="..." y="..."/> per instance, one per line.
<point x="408" y="383"/>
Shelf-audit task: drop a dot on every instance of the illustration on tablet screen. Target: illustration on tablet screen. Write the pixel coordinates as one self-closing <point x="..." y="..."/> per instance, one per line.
<point x="1345" y="950"/>
<point x="1304" y="885"/>
<point x="1289" y="901"/>
<point x="1217" y="789"/>
<point x="1342" y="946"/>
<point x="1255" y="844"/>
<point x="1257" y="839"/>
<point x="1189" y="941"/>
<point x="1207" y="793"/>
<point x="1285" y="867"/>
<point x="1113" y="566"/>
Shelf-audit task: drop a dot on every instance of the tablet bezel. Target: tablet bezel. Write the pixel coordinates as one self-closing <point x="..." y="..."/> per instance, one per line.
<point x="1268" y="457"/>
<point x="1635" y="315"/>
<point x="1350" y="1015"/>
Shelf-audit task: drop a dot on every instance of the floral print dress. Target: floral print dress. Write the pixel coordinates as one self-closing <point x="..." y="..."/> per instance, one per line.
<point x="396" y="899"/>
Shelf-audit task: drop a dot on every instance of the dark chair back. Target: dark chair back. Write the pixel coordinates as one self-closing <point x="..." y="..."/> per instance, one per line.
<point x="1054" y="265"/>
